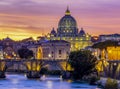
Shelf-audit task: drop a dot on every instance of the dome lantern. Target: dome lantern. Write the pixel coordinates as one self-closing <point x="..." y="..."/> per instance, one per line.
<point x="67" y="11"/>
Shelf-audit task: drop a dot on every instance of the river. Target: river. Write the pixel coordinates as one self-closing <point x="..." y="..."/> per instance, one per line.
<point x="14" y="81"/>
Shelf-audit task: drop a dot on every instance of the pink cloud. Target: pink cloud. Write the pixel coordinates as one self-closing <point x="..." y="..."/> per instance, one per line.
<point x="96" y="16"/>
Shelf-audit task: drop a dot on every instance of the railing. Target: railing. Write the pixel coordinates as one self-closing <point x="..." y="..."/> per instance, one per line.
<point x="118" y="61"/>
<point x="16" y="60"/>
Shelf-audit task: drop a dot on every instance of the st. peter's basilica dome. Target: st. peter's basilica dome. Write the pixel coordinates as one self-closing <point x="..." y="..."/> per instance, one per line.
<point x="67" y="25"/>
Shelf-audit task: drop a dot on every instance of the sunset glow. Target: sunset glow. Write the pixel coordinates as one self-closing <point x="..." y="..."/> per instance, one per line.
<point x="31" y="18"/>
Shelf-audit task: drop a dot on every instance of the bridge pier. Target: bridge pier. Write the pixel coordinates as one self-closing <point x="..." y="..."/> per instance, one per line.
<point x="66" y="75"/>
<point x="113" y="69"/>
<point x="2" y="74"/>
<point x="33" y="74"/>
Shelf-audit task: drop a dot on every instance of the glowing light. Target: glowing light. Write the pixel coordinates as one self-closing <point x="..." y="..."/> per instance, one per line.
<point x="49" y="84"/>
<point x="69" y="81"/>
<point x="61" y="77"/>
<point x="43" y="77"/>
<point x="109" y="51"/>
<point x="76" y="38"/>
<point x="25" y="75"/>
<point x="87" y="36"/>
<point x="81" y="39"/>
<point x="95" y="37"/>
<point x="115" y="64"/>
<point x="49" y="55"/>
<point x="113" y="53"/>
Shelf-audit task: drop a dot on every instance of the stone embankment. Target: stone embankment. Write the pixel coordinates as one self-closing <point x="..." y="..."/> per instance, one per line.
<point x="103" y="81"/>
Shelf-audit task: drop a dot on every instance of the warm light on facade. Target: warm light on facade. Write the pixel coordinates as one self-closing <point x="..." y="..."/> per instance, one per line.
<point x="110" y="51"/>
<point x="113" y="53"/>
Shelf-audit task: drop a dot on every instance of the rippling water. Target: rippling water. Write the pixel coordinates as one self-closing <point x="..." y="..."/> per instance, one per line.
<point x="21" y="82"/>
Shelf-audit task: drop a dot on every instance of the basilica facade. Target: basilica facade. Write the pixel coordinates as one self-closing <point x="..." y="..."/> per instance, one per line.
<point x="68" y="30"/>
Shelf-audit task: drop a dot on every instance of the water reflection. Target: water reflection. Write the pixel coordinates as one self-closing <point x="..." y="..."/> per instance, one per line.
<point x="49" y="84"/>
<point x="15" y="81"/>
<point x="21" y="82"/>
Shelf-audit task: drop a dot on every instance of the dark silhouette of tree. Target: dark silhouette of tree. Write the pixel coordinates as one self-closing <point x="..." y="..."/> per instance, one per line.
<point x="83" y="63"/>
<point x="25" y="53"/>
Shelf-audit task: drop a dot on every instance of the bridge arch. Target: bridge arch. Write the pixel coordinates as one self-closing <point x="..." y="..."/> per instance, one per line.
<point x="18" y="66"/>
<point x="54" y="64"/>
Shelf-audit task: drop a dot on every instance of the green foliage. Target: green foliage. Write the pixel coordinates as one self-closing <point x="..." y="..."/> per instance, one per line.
<point x="111" y="84"/>
<point x="83" y="63"/>
<point x="25" y="53"/>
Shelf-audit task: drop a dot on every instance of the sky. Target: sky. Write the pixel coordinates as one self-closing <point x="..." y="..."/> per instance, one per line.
<point x="25" y="18"/>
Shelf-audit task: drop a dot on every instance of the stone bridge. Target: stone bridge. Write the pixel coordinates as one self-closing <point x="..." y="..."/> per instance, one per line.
<point x="32" y="67"/>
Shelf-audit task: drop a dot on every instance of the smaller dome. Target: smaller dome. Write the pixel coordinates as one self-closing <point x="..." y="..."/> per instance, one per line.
<point x="53" y="32"/>
<point x="7" y="39"/>
<point x="82" y="32"/>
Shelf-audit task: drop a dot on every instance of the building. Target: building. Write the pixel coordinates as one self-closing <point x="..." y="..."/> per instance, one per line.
<point x="1" y="52"/>
<point x="51" y="49"/>
<point x="115" y="37"/>
<point x="55" y="49"/>
<point x="37" y="51"/>
<point x="9" y="48"/>
<point x="113" y="53"/>
<point x="68" y="30"/>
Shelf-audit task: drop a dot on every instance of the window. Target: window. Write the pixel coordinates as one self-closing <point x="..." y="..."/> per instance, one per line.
<point x="60" y="52"/>
<point x="67" y="44"/>
<point x="52" y="52"/>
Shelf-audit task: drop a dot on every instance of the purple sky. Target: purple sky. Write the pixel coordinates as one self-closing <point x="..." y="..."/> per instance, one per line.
<point x="24" y="18"/>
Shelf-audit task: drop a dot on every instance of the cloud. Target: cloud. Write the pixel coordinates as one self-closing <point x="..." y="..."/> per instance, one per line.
<point x="39" y="16"/>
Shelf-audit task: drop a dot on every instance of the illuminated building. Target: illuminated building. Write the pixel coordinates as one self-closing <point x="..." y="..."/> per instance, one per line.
<point x="1" y="52"/>
<point x="51" y="49"/>
<point x="9" y="48"/>
<point x="68" y="31"/>
<point x="113" y="53"/>
<point x="109" y="53"/>
<point x="55" y="49"/>
<point x="37" y="51"/>
<point x="115" y="37"/>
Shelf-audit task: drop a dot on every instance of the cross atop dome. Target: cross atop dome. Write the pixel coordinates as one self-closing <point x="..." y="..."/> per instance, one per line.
<point x="67" y="12"/>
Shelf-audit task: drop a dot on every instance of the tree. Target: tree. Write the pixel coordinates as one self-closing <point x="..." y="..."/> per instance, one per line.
<point x="25" y="53"/>
<point x="111" y="84"/>
<point x="83" y="63"/>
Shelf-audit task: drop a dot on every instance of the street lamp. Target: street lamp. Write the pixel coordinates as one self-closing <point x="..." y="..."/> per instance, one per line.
<point x="49" y="56"/>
